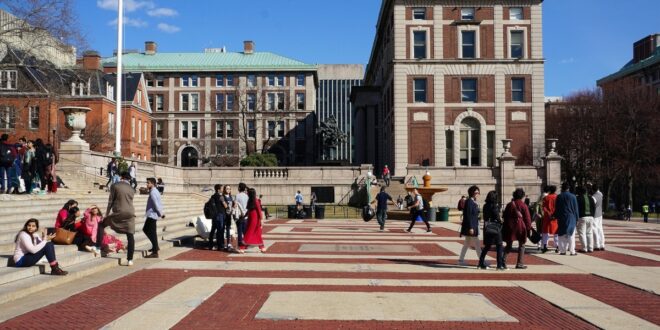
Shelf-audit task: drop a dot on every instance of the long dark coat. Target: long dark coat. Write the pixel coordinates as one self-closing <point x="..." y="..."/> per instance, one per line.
<point x="566" y="212"/>
<point x="470" y="218"/>
<point x="122" y="218"/>
<point x="514" y="230"/>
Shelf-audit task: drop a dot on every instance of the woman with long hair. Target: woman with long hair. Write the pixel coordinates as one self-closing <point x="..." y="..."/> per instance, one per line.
<point x="253" y="234"/>
<point x="30" y="248"/>
<point x="91" y="229"/>
<point x="492" y="230"/>
<point x="64" y="212"/>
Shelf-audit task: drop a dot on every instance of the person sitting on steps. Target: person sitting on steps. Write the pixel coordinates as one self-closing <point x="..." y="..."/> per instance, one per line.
<point x="30" y="248"/>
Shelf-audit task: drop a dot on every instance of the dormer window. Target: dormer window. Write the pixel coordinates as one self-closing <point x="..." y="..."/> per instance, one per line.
<point x="467" y="14"/>
<point x="7" y="79"/>
<point x="80" y="89"/>
<point x="109" y="91"/>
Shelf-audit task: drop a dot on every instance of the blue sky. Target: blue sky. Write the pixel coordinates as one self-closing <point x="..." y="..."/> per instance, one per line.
<point x="584" y="40"/>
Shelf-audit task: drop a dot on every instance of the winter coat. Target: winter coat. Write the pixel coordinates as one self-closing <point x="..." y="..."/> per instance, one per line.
<point x="514" y="230"/>
<point x="470" y="218"/>
<point x="566" y="212"/>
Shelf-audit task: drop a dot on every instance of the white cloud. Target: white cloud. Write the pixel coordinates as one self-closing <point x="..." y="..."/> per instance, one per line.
<point x="129" y="5"/>
<point x="133" y="22"/>
<point x="168" y="28"/>
<point x="158" y="12"/>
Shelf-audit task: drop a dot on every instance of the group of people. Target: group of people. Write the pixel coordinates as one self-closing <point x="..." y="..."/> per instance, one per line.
<point x="89" y="227"/>
<point x="27" y="166"/>
<point x="112" y="173"/>
<point x="244" y="210"/>
<point x="561" y="216"/>
<point x="413" y="201"/>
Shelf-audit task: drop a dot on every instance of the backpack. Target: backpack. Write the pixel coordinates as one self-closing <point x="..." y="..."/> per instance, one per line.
<point x="461" y="204"/>
<point x="210" y="211"/>
<point x="518" y="215"/>
<point x="6" y="159"/>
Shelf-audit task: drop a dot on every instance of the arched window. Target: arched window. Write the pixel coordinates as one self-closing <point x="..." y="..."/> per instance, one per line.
<point x="470" y="148"/>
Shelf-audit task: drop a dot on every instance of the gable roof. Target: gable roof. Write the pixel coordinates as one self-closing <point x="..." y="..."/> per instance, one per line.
<point x="237" y="61"/>
<point x="130" y="84"/>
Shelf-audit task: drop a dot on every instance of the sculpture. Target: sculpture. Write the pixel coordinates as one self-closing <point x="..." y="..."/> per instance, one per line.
<point x="331" y="137"/>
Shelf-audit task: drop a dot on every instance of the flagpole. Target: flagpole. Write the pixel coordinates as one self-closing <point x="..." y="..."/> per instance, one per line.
<point x="118" y="96"/>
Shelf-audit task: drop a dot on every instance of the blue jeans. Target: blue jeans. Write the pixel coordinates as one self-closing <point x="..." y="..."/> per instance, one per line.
<point x="31" y="259"/>
<point x="228" y="229"/>
<point x="241" y="225"/>
<point x="4" y="171"/>
<point x="381" y="216"/>
<point x="217" y="229"/>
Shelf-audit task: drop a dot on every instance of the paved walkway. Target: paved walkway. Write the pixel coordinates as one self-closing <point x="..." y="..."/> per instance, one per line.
<point x="346" y="274"/>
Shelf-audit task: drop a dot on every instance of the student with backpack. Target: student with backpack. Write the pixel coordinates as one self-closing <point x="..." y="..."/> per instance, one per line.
<point x="417" y="211"/>
<point x="215" y="209"/>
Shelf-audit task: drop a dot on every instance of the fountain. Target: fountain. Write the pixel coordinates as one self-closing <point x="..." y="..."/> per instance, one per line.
<point x="427" y="190"/>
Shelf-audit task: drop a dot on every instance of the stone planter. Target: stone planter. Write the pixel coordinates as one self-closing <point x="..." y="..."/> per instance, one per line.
<point x="74" y="119"/>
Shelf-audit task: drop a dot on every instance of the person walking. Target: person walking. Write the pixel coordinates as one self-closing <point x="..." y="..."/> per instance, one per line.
<point x="386" y="176"/>
<point x="153" y="212"/>
<point x="381" y="207"/>
<point x="598" y="234"/>
<point x="492" y="231"/>
<point x="586" y="209"/>
<point x="566" y="212"/>
<point x="218" y="223"/>
<point x="549" y="223"/>
<point x="417" y="211"/>
<point x="645" y="211"/>
<point x="299" y="200"/>
<point x="241" y="218"/>
<point x="470" y="227"/>
<point x="132" y="170"/>
<point x="253" y="232"/>
<point x="517" y="225"/>
<point x="122" y="217"/>
<point x="111" y="171"/>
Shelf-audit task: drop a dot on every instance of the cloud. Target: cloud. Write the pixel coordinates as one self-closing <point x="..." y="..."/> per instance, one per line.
<point x="567" y="61"/>
<point x="168" y="28"/>
<point x="159" y="12"/>
<point x="129" y="5"/>
<point x="133" y="22"/>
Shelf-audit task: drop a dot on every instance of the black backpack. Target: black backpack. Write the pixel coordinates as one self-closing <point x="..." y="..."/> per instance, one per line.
<point x="210" y="211"/>
<point x="6" y="159"/>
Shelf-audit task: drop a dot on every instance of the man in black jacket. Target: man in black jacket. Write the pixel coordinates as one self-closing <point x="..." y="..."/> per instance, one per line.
<point x="218" y="221"/>
<point x="586" y="209"/>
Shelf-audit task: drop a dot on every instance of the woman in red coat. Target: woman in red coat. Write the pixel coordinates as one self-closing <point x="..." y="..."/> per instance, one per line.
<point x="253" y="230"/>
<point x="550" y="225"/>
<point x="517" y="224"/>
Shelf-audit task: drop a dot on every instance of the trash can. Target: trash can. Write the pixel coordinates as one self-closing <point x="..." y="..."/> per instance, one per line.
<point x="319" y="213"/>
<point x="431" y="213"/>
<point x="443" y="214"/>
<point x="308" y="211"/>
<point x="291" y="212"/>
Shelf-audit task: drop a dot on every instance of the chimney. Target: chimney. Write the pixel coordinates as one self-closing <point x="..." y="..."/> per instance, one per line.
<point x="91" y="60"/>
<point x="248" y="47"/>
<point x="149" y="47"/>
<point x="645" y="47"/>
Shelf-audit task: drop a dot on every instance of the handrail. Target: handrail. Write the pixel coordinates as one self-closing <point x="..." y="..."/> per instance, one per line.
<point x="359" y="182"/>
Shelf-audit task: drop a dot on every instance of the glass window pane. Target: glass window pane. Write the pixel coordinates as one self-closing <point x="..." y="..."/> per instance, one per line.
<point x="419" y="48"/>
<point x="467" y="13"/>
<point x="516" y="13"/>
<point x="419" y="13"/>
<point x="517" y="44"/>
<point x="468" y="44"/>
<point x="420" y="90"/>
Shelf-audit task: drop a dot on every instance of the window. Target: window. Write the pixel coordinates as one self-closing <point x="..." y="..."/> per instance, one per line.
<point x="517" y="44"/>
<point x="189" y="129"/>
<point x="469" y="90"/>
<point x="230" y="80"/>
<point x="160" y="82"/>
<point x="150" y="82"/>
<point x="280" y="128"/>
<point x="300" y="80"/>
<point x="300" y="101"/>
<point x="280" y="101"/>
<point x="419" y="46"/>
<point x="419" y="13"/>
<point x="219" y="129"/>
<point x="419" y="90"/>
<point x="469" y="145"/>
<point x="271" y="129"/>
<point x="111" y="123"/>
<point x="275" y="129"/>
<point x="139" y="129"/>
<point x="139" y="97"/>
<point x="449" y="151"/>
<point x="490" y="148"/>
<point x="271" y="101"/>
<point x="7" y="117"/>
<point x="160" y="99"/>
<point x="109" y="91"/>
<point x="280" y="81"/>
<point x="189" y="102"/>
<point x="8" y="79"/>
<point x="271" y="80"/>
<point x="219" y="80"/>
<point x="230" y="149"/>
<point x="219" y="102"/>
<point x="251" y="129"/>
<point x="515" y="13"/>
<point x="251" y="80"/>
<point x="468" y="44"/>
<point x="251" y="101"/>
<point x="230" y="129"/>
<point x="159" y="129"/>
<point x="133" y="127"/>
<point x="34" y="117"/>
<point x="467" y="14"/>
<point x="145" y="131"/>
<point x="518" y="90"/>
<point x="189" y="81"/>
<point x="79" y="88"/>
<point x="230" y="102"/>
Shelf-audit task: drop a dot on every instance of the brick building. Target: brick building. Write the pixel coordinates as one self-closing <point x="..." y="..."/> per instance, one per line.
<point x="218" y="106"/>
<point x="644" y="67"/>
<point x="448" y="80"/>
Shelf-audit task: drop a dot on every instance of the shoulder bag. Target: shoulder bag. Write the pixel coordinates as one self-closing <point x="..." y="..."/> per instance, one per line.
<point x="63" y="236"/>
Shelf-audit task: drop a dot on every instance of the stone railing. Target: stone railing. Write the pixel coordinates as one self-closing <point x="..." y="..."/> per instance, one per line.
<point x="271" y="173"/>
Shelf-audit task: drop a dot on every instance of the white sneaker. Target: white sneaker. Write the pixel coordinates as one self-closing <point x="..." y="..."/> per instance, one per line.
<point x="130" y="263"/>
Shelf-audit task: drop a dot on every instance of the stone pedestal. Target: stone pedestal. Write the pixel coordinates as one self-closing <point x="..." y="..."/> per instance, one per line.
<point x="74" y="151"/>
<point x="552" y="163"/>
<point x="507" y="169"/>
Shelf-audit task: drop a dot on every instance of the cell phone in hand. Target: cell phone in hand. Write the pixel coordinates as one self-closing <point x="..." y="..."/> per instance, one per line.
<point x="50" y="231"/>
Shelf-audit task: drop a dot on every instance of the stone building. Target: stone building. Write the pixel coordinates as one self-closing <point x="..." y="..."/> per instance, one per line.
<point x="447" y="81"/>
<point x="216" y="106"/>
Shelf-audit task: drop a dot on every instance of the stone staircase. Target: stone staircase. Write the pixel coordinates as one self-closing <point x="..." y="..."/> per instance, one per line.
<point x="180" y="209"/>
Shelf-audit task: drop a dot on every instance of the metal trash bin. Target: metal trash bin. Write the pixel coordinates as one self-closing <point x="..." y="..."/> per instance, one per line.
<point x="431" y="213"/>
<point x="443" y="214"/>
<point x="319" y="212"/>
<point x="291" y="212"/>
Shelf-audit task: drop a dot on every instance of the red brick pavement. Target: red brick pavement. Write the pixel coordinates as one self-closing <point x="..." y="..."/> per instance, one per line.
<point x="652" y="250"/>
<point x="423" y="248"/>
<point x="625" y="259"/>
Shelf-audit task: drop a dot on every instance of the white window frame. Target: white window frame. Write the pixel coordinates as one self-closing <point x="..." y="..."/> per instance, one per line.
<point x="220" y="106"/>
<point x="229" y="80"/>
<point x="160" y="81"/>
<point x="133" y="127"/>
<point x="300" y="80"/>
<point x="476" y="90"/>
<point x="139" y="129"/>
<point x="190" y="103"/>
<point x="139" y="97"/>
<point x="8" y="117"/>
<point x="465" y="11"/>
<point x="280" y="80"/>
<point x="109" y="91"/>
<point x="189" y="81"/>
<point x="219" y="129"/>
<point x="425" y="45"/>
<point x="219" y="80"/>
<point x="510" y="31"/>
<point x="251" y="80"/>
<point x="34" y="110"/>
<point x="160" y="102"/>
<point x="271" y="101"/>
<point x="300" y="101"/>
<point x="229" y="126"/>
<point x="516" y="17"/>
<point x="271" y="131"/>
<point x="471" y="148"/>
<point x="280" y="129"/>
<point x="477" y="45"/>
<point x="271" y="80"/>
<point x="146" y="129"/>
<point x="423" y="11"/>
<point x="8" y="79"/>
<point x="412" y="41"/>
<point x="111" y="123"/>
<point x="251" y="131"/>
<point x="229" y="101"/>
<point x="251" y="101"/>
<point x="280" y="98"/>
<point x="190" y="135"/>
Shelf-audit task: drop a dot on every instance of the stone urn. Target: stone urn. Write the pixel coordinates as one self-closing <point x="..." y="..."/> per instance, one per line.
<point x="506" y="144"/>
<point x="427" y="179"/>
<point x="74" y="119"/>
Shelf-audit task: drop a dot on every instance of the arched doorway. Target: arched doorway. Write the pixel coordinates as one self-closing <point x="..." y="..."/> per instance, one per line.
<point x="189" y="157"/>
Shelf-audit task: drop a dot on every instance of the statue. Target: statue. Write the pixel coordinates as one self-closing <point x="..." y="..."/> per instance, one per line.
<point x="331" y="137"/>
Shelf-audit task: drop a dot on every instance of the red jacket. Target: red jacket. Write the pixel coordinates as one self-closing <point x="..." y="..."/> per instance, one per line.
<point x="514" y="230"/>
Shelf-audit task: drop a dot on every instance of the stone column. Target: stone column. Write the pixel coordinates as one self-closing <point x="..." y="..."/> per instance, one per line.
<point x="507" y="183"/>
<point x="552" y="163"/>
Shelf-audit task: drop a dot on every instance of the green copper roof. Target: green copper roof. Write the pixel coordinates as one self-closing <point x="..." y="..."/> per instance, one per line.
<point x="631" y="67"/>
<point x="258" y="61"/>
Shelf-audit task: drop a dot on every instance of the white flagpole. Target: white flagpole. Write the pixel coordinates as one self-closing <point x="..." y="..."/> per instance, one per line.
<point x="118" y="97"/>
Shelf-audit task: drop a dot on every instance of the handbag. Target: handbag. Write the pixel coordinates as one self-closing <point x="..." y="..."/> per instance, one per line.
<point x="63" y="236"/>
<point x="534" y="236"/>
<point x="492" y="228"/>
